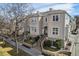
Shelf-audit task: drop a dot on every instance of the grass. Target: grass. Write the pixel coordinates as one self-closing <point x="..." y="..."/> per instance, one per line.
<point x="66" y="53"/>
<point x="51" y="49"/>
<point x="9" y="50"/>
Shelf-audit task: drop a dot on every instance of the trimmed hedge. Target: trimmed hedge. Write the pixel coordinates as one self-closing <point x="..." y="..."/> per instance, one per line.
<point x="47" y="43"/>
<point x="58" y="44"/>
<point x="36" y="38"/>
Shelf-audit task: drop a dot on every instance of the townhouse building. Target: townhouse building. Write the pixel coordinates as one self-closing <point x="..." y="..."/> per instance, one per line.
<point x="53" y="23"/>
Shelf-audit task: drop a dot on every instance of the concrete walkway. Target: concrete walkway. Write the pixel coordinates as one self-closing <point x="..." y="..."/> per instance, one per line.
<point x="75" y="50"/>
<point x="75" y="45"/>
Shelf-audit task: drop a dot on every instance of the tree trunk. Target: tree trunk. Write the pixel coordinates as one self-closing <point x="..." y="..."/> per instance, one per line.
<point x="16" y="36"/>
<point x="16" y="45"/>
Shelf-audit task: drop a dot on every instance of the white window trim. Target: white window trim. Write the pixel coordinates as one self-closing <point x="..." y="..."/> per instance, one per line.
<point x="55" y="31"/>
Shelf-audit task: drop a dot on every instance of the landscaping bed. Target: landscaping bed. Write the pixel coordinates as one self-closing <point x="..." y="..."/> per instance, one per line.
<point x="27" y="45"/>
<point x="47" y="45"/>
<point x="30" y="41"/>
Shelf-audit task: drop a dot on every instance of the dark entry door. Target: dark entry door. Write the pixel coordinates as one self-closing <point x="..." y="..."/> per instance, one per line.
<point x="45" y="30"/>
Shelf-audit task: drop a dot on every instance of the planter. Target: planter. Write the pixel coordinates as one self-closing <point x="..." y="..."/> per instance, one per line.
<point x="27" y="45"/>
<point x="48" y="53"/>
<point x="65" y="53"/>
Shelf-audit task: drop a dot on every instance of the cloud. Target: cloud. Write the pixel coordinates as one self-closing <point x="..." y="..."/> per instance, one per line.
<point x="67" y="7"/>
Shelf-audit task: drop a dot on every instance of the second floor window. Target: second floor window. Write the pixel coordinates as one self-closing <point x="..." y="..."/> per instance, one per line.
<point x="55" y="18"/>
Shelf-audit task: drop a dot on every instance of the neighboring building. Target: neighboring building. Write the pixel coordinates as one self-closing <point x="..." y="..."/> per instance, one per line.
<point x="77" y="21"/>
<point x="53" y="23"/>
<point x="72" y="25"/>
<point x="36" y="24"/>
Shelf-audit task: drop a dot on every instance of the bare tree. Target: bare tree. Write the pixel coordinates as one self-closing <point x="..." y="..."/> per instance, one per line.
<point x="2" y="23"/>
<point x="17" y="12"/>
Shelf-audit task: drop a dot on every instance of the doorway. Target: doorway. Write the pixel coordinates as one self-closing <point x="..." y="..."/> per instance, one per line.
<point x="45" y="30"/>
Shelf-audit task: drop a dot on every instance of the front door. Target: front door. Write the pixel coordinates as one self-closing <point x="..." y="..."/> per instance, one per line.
<point x="45" y="30"/>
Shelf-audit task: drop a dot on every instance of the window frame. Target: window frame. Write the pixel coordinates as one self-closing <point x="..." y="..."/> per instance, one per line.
<point x="55" y="31"/>
<point x="46" y="19"/>
<point x="55" y="17"/>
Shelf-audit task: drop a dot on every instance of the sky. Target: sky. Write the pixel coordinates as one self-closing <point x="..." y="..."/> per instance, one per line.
<point x="71" y="8"/>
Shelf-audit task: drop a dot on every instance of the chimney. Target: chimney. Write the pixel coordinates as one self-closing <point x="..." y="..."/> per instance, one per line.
<point x="50" y="9"/>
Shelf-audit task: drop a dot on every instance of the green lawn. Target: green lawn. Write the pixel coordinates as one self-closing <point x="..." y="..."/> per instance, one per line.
<point x="9" y="50"/>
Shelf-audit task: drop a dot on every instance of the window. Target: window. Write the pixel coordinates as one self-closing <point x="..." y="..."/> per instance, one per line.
<point x="34" y="29"/>
<point x="55" y="18"/>
<point x="46" y="19"/>
<point x="55" y="31"/>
